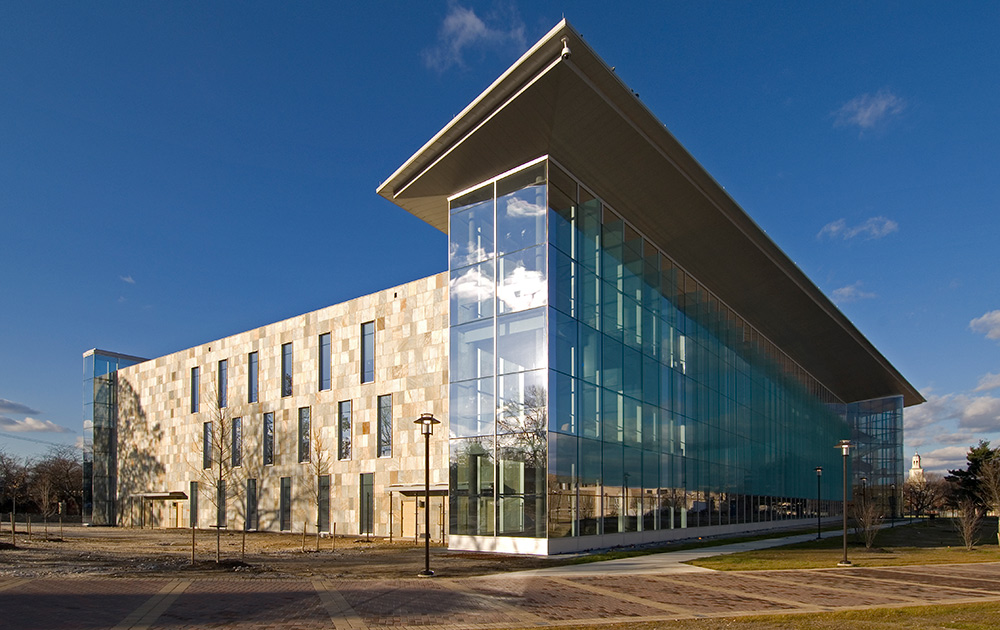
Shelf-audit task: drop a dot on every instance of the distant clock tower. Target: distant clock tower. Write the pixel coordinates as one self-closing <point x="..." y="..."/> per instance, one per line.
<point x="916" y="471"/>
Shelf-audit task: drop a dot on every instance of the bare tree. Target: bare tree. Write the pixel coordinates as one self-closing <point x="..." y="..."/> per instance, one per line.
<point x="968" y="518"/>
<point x="868" y="517"/>
<point x="319" y="465"/>
<point x="989" y="488"/>
<point x="56" y="478"/>
<point x="13" y="480"/>
<point x="216" y="446"/>
<point x="925" y="493"/>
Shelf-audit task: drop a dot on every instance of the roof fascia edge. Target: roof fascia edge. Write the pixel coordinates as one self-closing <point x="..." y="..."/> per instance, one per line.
<point x="470" y="132"/>
<point x="764" y="244"/>
<point x="558" y="28"/>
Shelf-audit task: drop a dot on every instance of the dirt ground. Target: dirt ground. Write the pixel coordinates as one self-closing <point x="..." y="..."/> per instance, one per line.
<point x="161" y="552"/>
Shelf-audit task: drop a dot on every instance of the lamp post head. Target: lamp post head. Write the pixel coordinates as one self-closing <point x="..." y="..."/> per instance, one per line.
<point x="427" y="422"/>
<point x="845" y="447"/>
<point x="819" y="471"/>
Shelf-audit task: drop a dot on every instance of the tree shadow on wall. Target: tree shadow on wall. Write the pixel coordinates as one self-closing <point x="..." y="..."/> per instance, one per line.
<point x="139" y="451"/>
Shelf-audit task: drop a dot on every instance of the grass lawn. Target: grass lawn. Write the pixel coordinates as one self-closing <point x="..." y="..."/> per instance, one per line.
<point x="958" y="616"/>
<point x="929" y="542"/>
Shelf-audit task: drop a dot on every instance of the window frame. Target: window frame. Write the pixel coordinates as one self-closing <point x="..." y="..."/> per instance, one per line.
<point x="368" y="349"/>
<point x="222" y="390"/>
<point x="344" y="430"/>
<point x="207" y="458"/>
<point x="324" y="368"/>
<point x="195" y="389"/>
<point x="267" y="442"/>
<point x="253" y="381"/>
<point x="287" y="369"/>
<point x="236" y="447"/>
<point x="383" y="446"/>
<point x="305" y="438"/>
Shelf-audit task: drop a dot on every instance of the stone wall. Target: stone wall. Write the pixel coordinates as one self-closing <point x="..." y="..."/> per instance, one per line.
<point x="160" y="441"/>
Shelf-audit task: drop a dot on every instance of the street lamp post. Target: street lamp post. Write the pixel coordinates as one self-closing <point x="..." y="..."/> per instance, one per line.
<point x="427" y="422"/>
<point x="819" y="499"/>
<point x="845" y="450"/>
<point x="892" y="505"/>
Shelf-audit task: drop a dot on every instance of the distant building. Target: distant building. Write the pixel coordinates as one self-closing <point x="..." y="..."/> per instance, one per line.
<point x="617" y="352"/>
<point x="916" y="471"/>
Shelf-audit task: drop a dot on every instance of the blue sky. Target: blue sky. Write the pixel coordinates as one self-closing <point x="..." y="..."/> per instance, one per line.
<point x="175" y="172"/>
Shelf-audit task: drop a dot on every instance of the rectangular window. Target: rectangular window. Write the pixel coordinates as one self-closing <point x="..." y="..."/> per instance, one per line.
<point x="268" y="442"/>
<point x="368" y="352"/>
<point x="324" y="362"/>
<point x="193" y="503"/>
<point x="344" y="430"/>
<point x="252" y="377"/>
<point x="286" y="370"/>
<point x="385" y="426"/>
<point x="367" y="504"/>
<point x="220" y="504"/>
<point x="237" y="445"/>
<point x="285" y="510"/>
<point x="303" y="434"/>
<point x="195" y="388"/>
<point x="323" y="504"/>
<point x="223" y="383"/>
<point x="206" y="445"/>
<point x="251" y="520"/>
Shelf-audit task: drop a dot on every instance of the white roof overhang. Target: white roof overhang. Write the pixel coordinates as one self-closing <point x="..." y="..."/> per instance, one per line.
<point x="578" y="111"/>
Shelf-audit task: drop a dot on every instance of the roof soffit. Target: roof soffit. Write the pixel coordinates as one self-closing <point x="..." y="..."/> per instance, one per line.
<point x="581" y="113"/>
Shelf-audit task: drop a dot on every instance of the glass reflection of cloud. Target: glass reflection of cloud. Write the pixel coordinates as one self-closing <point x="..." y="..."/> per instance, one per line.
<point x="523" y="208"/>
<point x="469" y="256"/>
<point x="471" y="285"/>
<point x="522" y="289"/>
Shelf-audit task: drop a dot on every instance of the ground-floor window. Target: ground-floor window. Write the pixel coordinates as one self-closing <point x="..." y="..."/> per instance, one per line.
<point x="367" y="512"/>
<point x="285" y="510"/>
<point x="323" y="504"/>
<point x="193" y="499"/>
<point x="251" y="517"/>
<point x="220" y="504"/>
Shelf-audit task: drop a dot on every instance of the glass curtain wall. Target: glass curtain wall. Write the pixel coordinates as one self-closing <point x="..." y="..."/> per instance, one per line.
<point x="877" y="457"/>
<point x="100" y="435"/>
<point x="596" y="388"/>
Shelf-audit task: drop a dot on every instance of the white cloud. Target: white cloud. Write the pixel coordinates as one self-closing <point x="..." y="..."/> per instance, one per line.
<point x="971" y="414"/>
<point x="988" y="324"/>
<point x="472" y="285"/>
<point x="520" y="208"/>
<point x="868" y="110"/>
<point x="9" y="406"/>
<point x="979" y="413"/>
<point x="875" y="227"/>
<point x="463" y="30"/>
<point x="851" y="293"/>
<point x="522" y="289"/>
<point x="30" y="424"/>
<point x="931" y="412"/>
<point x="944" y="459"/>
<point x="127" y="279"/>
<point x="988" y="382"/>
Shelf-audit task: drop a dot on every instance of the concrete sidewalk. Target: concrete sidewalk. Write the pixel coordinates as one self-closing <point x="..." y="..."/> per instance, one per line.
<point x="670" y="562"/>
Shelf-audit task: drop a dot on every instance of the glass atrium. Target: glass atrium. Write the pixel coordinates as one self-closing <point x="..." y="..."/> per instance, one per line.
<point x="100" y="419"/>
<point x="597" y="389"/>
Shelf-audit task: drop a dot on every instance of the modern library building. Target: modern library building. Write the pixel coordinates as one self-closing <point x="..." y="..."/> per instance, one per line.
<point x="617" y="354"/>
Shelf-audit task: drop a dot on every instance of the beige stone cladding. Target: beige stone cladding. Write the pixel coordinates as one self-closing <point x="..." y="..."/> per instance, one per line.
<point x="160" y="439"/>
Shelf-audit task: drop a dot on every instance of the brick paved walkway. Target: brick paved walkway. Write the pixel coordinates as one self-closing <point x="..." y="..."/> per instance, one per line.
<point x="498" y="601"/>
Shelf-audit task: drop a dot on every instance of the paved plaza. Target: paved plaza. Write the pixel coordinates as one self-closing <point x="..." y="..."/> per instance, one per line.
<point x="652" y="588"/>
